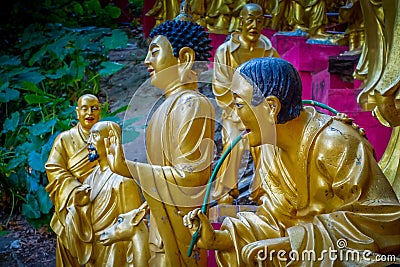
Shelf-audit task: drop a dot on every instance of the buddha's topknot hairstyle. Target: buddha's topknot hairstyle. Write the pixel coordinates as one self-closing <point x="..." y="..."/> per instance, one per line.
<point x="185" y="33"/>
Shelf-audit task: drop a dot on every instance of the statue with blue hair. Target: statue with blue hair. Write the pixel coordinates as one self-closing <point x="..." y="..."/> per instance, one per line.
<point x="323" y="189"/>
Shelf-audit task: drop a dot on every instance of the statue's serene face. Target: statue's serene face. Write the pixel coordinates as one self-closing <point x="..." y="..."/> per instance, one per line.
<point x="88" y="112"/>
<point x="252" y="23"/>
<point x="258" y="120"/>
<point x="161" y="62"/>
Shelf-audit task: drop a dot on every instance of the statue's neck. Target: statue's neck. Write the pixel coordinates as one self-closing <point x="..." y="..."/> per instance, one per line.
<point x="83" y="132"/>
<point x="289" y="134"/>
<point x="180" y="87"/>
<point x="248" y="45"/>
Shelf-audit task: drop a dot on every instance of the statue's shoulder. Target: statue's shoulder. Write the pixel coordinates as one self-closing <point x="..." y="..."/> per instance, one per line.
<point x="191" y="96"/>
<point x="68" y="134"/>
<point x="342" y="132"/>
<point x="266" y="42"/>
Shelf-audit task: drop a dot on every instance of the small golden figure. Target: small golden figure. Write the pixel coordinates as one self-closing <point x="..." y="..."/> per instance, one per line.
<point x="323" y="189"/>
<point x="67" y="167"/>
<point x="242" y="46"/>
<point x="97" y="203"/>
<point x="164" y="10"/>
<point x="308" y="17"/>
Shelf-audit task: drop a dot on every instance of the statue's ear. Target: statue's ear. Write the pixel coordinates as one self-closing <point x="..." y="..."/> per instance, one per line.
<point x="274" y="105"/>
<point x="186" y="60"/>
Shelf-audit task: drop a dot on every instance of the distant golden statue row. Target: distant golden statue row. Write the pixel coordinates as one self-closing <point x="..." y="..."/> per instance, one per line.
<point x="305" y="18"/>
<point x="319" y="182"/>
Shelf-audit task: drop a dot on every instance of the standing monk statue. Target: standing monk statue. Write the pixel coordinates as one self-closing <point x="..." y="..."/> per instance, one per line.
<point x="179" y="142"/>
<point x="242" y="46"/>
<point x="97" y="203"/>
<point x="67" y="167"/>
<point x="324" y="190"/>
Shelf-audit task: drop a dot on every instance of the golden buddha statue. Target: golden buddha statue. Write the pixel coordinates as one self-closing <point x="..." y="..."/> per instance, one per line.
<point x="67" y="167"/>
<point x="96" y="205"/>
<point x="222" y="15"/>
<point x="164" y="10"/>
<point x="308" y="17"/>
<point x="242" y="46"/>
<point x="179" y="143"/>
<point x="323" y="188"/>
<point x="352" y="15"/>
<point x="378" y="67"/>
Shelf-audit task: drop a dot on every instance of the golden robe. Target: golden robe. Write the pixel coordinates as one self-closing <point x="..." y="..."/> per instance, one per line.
<point x="180" y="143"/>
<point x="67" y="167"/>
<point x="111" y="195"/>
<point x="226" y="61"/>
<point x="336" y="192"/>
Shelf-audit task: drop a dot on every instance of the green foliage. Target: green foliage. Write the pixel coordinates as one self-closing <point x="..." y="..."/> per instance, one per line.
<point x="41" y="78"/>
<point x="136" y="7"/>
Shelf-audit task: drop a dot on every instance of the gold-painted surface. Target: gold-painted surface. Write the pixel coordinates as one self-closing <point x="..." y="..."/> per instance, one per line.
<point x="96" y="205"/>
<point x="378" y="66"/>
<point x="223" y="16"/>
<point x="352" y="15"/>
<point x="323" y="189"/>
<point x="390" y="161"/>
<point x="164" y="10"/>
<point x="243" y="46"/>
<point x="179" y="144"/>
<point x="67" y="167"/>
<point x="308" y="16"/>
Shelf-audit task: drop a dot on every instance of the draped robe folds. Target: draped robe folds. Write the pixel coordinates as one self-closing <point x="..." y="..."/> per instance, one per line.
<point x="337" y="191"/>
<point x="226" y="60"/>
<point x="67" y="167"/>
<point x="111" y="195"/>
<point x="179" y="141"/>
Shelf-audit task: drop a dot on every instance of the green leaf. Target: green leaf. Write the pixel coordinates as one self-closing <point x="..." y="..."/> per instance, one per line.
<point x="31" y="208"/>
<point x="37" y="99"/>
<point x="7" y="95"/>
<point x="31" y="87"/>
<point x="32" y="181"/>
<point x="60" y="72"/>
<point x="38" y="55"/>
<point x="9" y="61"/>
<point x="113" y="11"/>
<point x="15" y="162"/>
<point x="35" y="161"/>
<point x="92" y="6"/>
<point x="78" y="9"/>
<point x="43" y="127"/>
<point x="110" y="68"/>
<point x="118" y="39"/>
<point x="34" y="77"/>
<point x="4" y="233"/>
<point x="43" y="200"/>
<point x="10" y="124"/>
<point x="59" y="47"/>
<point x="77" y="68"/>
